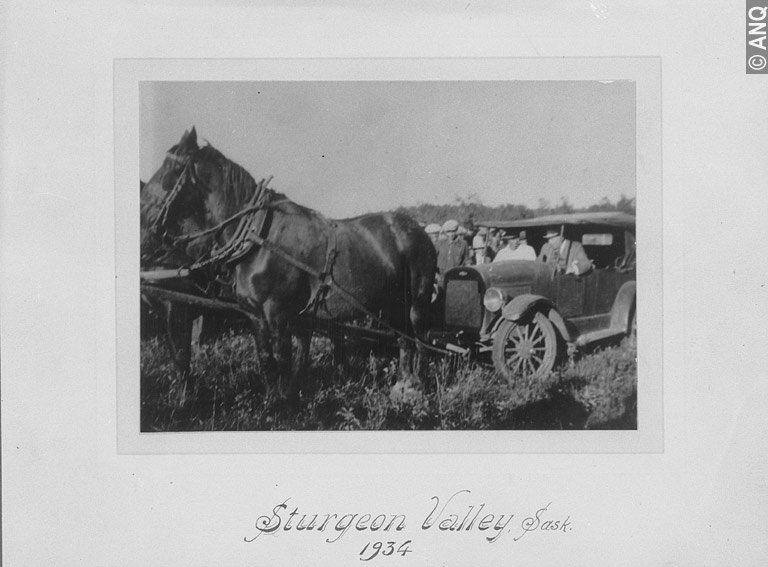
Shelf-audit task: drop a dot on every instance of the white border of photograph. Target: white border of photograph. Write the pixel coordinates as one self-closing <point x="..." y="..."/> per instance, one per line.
<point x="645" y="72"/>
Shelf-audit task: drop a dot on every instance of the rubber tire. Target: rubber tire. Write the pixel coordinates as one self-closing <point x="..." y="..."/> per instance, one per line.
<point x="507" y="329"/>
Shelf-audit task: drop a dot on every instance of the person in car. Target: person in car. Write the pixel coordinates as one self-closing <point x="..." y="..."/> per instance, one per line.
<point x="511" y="242"/>
<point x="516" y="248"/>
<point x="565" y="255"/>
<point x="453" y="251"/>
<point x="524" y="251"/>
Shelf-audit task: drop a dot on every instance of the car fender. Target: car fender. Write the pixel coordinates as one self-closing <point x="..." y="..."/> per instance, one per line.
<point x="623" y="306"/>
<point x="567" y="331"/>
<point x="523" y="306"/>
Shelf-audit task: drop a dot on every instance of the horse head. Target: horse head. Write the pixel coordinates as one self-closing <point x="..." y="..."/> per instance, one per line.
<point x="194" y="189"/>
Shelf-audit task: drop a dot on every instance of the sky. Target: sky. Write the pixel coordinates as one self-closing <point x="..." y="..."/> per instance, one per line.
<point x="347" y="148"/>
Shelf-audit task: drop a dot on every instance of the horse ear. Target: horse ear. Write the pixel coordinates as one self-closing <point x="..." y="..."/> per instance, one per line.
<point x="188" y="140"/>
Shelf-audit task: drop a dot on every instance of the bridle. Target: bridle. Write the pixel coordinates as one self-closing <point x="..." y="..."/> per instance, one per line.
<point x="187" y="174"/>
<point x="235" y="247"/>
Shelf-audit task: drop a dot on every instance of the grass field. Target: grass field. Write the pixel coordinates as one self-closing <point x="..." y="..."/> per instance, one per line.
<point x="598" y="390"/>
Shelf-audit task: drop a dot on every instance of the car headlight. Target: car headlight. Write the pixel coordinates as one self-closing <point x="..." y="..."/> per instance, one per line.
<point x="494" y="299"/>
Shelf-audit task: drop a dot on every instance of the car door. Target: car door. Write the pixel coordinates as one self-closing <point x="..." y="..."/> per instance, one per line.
<point x="614" y="270"/>
<point x="570" y="292"/>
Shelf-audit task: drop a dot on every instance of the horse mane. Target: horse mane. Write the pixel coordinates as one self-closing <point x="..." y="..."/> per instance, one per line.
<point x="291" y="207"/>
<point x="239" y="185"/>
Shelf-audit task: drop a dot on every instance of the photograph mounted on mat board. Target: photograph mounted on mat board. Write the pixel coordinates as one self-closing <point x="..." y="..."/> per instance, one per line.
<point x="381" y="252"/>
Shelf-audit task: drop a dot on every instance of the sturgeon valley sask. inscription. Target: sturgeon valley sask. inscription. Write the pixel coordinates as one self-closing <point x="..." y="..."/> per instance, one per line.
<point x="390" y="534"/>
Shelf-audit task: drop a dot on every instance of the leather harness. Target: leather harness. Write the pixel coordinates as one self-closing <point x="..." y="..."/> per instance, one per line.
<point x="250" y="233"/>
<point x="252" y="230"/>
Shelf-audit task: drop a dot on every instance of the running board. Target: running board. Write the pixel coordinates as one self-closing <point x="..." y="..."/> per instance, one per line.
<point x="599" y="336"/>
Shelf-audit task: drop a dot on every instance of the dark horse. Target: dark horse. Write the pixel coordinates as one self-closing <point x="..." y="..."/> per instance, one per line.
<point x="202" y="211"/>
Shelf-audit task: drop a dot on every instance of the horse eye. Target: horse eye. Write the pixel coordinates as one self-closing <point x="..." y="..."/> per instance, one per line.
<point x="169" y="181"/>
<point x="171" y="175"/>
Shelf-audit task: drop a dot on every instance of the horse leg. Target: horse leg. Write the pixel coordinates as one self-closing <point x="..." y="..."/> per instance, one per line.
<point x="420" y="328"/>
<point x="178" y="321"/>
<point x="281" y="341"/>
<point x="421" y="311"/>
<point x="406" y="359"/>
<point x="303" y="333"/>
<point x="398" y="319"/>
<point x="261" y="333"/>
<point x="339" y="342"/>
<point x="419" y="362"/>
<point x="405" y="387"/>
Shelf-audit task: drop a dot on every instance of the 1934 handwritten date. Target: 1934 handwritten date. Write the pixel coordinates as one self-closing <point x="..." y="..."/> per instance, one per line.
<point x="385" y="549"/>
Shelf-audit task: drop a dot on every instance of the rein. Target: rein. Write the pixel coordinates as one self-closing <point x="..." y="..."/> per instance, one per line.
<point x="236" y="246"/>
<point x="247" y="234"/>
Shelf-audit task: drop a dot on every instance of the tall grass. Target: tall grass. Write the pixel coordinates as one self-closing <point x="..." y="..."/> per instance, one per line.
<point x="599" y="390"/>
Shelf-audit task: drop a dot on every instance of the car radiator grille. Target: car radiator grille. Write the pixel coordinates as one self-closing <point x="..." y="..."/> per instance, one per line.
<point x="462" y="304"/>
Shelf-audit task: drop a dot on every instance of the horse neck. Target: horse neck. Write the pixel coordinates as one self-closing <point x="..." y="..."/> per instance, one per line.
<point x="235" y="191"/>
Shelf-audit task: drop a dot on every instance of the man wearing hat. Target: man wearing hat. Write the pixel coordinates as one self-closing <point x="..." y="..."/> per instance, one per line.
<point x="566" y="255"/>
<point x="525" y="251"/>
<point x="433" y="230"/>
<point x="494" y="242"/>
<point x="452" y="251"/>
<point x="516" y="249"/>
<point x="479" y="246"/>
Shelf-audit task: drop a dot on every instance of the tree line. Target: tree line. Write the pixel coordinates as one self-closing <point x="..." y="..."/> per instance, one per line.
<point x="470" y="209"/>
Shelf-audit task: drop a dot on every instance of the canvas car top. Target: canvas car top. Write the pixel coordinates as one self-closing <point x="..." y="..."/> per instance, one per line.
<point x="612" y="218"/>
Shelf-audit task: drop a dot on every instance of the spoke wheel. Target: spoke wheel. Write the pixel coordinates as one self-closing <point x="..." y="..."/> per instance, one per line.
<point x="528" y="350"/>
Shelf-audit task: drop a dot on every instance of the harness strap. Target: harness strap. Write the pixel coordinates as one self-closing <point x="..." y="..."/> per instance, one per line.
<point x="238" y="245"/>
<point x="351" y="299"/>
<point x="255" y="203"/>
<point x="326" y="276"/>
<point x="246" y="236"/>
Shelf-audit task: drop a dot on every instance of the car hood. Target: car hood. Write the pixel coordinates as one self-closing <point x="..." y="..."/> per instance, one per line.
<point x="512" y="274"/>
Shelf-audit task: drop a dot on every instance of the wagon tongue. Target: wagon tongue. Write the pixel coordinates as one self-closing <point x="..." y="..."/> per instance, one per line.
<point x="158" y="275"/>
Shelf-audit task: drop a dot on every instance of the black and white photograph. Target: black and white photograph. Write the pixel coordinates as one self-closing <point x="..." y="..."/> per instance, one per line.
<point x="401" y="283"/>
<point x="382" y="255"/>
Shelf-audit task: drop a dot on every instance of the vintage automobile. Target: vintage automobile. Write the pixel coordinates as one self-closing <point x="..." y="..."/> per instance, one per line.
<point x="528" y="315"/>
